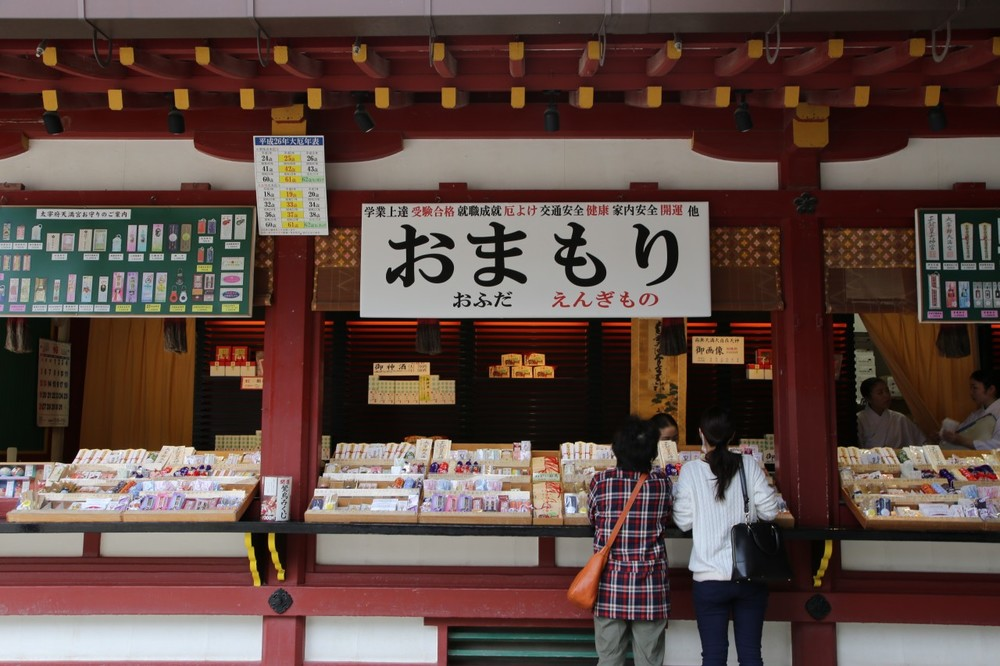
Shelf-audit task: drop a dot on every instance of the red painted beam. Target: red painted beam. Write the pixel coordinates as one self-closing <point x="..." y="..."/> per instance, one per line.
<point x="12" y="143"/>
<point x="26" y="68"/>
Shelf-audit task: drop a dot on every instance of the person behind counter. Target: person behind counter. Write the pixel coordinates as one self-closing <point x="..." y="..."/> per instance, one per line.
<point x="708" y="499"/>
<point x="981" y="428"/>
<point x="634" y="594"/>
<point x="667" y="426"/>
<point x="880" y="426"/>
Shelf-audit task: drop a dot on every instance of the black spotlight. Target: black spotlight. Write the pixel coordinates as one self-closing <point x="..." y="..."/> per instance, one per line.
<point x="552" y="118"/>
<point x="744" y="123"/>
<point x="936" y="119"/>
<point x="362" y="119"/>
<point x="175" y="121"/>
<point x="53" y="123"/>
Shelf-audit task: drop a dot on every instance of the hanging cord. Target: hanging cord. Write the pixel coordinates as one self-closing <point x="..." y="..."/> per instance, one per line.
<point x="939" y="57"/>
<point x="431" y="33"/>
<point x="776" y="28"/>
<point x="602" y="33"/>
<point x="93" y="43"/>
<point x="260" y="55"/>
<point x="264" y="62"/>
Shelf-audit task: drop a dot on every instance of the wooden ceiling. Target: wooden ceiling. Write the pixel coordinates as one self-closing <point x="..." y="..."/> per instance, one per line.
<point x="900" y="84"/>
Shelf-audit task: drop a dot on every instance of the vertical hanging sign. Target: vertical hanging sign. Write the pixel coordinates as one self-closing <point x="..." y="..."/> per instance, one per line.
<point x="290" y="179"/>
<point x="957" y="276"/>
<point x="53" y="384"/>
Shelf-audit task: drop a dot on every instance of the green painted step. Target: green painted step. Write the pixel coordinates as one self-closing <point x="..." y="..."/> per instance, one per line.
<point x="522" y="652"/>
<point x="520" y="636"/>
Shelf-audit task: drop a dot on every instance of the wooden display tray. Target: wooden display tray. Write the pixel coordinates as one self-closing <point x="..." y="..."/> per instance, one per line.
<point x="320" y="516"/>
<point x="44" y="515"/>
<point x="475" y="518"/>
<point x="548" y="520"/>
<point x="576" y="519"/>
<point x="63" y="516"/>
<point x="918" y="523"/>
<point x="190" y="516"/>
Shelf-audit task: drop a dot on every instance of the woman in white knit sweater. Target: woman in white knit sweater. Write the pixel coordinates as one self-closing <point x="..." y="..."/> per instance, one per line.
<point x="708" y="499"/>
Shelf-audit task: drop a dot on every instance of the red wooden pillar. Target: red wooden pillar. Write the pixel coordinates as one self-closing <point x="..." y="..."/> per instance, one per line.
<point x="804" y="393"/>
<point x="291" y="420"/>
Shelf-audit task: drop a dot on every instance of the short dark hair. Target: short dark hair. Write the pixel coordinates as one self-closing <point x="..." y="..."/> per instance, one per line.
<point x="663" y="420"/>
<point x="985" y="377"/>
<point x="869" y="385"/>
<point x="634" y="444"/>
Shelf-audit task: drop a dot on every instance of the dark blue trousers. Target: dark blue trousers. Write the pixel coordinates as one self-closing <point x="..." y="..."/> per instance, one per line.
<point x="714" y="603"/>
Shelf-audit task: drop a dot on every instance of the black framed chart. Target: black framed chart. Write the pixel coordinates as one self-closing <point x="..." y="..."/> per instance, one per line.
<point x="957" y="277"/>
<point x="142" y="261"/>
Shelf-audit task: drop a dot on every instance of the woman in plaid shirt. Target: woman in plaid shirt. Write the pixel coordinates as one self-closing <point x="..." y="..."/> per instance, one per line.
<point x="634" y="595"/>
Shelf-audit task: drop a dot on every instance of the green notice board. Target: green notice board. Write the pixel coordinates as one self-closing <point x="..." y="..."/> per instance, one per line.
<point x="144" y="261"/>
<point x="957" y="277"/>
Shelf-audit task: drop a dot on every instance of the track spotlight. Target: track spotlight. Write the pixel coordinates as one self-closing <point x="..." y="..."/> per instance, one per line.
<point x="40" y="49"/>
<point x="936" y="119"/>
<point x="362" y="119"/>
<point x="744" y="123"/>
<point x="552" y="118"/>
<point x="175" y="120"/>
<point x="53" y="123"/>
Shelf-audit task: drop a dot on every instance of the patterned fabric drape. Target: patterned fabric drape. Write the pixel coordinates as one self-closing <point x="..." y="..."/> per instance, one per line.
<point x="136" y="394"/>
<point x="933" y="386"/>
<point x="870" y="270"/>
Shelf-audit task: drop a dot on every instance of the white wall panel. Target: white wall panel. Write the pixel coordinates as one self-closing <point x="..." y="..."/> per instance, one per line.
<point x="925" y="164"/>
<point x="370" y="639"/>
<point x="920" y="556"/>
<point x="916" y="645"/>
<point x="41" y="545"/>
<point x="54" y="164"/>
<point x="576" y="551"/>
<point x="432" y="551"/>
<point x="174" y="545"/>
<point x="129" y="638"/>
<point x="684" y="645"/>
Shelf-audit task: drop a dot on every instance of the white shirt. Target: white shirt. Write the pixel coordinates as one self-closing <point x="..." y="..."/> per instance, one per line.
<point x="984" y="444"/>
<point x="695" y="508"/>
<point x="890" y="428"/>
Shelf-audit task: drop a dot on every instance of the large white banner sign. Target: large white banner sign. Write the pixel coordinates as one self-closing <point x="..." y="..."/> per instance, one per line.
<point x="592" y="260"/>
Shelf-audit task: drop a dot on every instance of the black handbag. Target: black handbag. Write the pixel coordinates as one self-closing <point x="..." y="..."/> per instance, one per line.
<point x="758" y="547"/>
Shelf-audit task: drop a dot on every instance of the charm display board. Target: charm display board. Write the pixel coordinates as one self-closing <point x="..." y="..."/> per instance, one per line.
<point x="957" y="276"/>
<point x="128" y="262"/>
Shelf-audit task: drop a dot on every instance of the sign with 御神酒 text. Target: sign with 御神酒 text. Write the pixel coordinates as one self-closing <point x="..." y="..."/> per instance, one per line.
<point x="593" y="260"/>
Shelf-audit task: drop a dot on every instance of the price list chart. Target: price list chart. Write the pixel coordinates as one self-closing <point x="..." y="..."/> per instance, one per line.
<point x="290" y="178"/>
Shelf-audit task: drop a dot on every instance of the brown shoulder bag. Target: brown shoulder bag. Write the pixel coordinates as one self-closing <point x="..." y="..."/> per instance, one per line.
<point x="582" y="591"/>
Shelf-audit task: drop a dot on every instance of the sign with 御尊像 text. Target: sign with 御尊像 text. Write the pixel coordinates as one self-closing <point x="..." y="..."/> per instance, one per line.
<point x="717" y="349"/>
<point x="593" y="260"/>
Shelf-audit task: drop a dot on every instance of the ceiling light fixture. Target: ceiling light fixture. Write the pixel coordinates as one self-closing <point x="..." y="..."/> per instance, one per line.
<point x="362" y="119"/>
<point x="552" y="118"/>
<point x="175" y="121"/>
<point x="936" y="120"/>
<point x="53" y="123"/>
<point x="744" y="123"/>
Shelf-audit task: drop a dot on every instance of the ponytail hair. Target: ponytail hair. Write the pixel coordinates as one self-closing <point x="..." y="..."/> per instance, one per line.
<point x="718" y="431"/>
